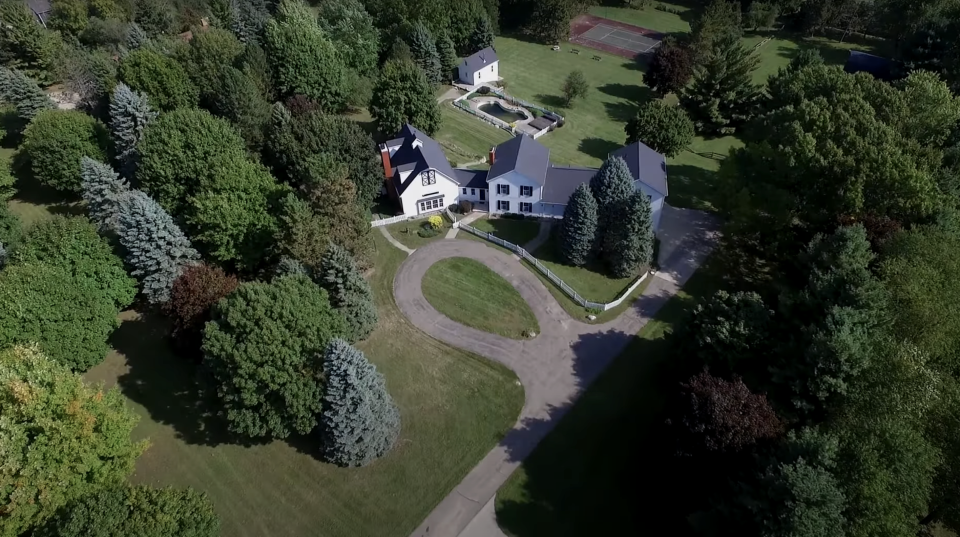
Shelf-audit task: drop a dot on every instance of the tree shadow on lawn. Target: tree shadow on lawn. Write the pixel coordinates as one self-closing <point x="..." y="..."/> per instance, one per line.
<point x="634" y="93"/>
<point x="550" y="101"/>
<point x="621" y="111"/>
<point x="31" y="192"/>
<point x="692" y="187"/>
<point x="165" y="384"/>
<point x="598" y="147"/>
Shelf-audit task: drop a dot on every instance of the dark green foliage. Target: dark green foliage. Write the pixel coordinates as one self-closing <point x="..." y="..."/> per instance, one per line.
<point x="68" y="17"/>
<point x="360" y="421"/>
<point x="62" y="439"/>
<point x="136" y="37"/>
<point x="671" y="67"/>
<point x="575" y="86"/>
<point x="549" y="20"/>
<point x="55" y="142"/>
<point x="933" y="111"/>
<point x="723" y="96"/>
<point x="130" y="113"/>
<point x="664" y="128"/>
<point x="69" y="319"/>
<point x="139" y="510"/>
<point x="23" y="93"/>
<point x="176" y="150"/>
<point x="262" y="347"/>
<point x="423" y="49"/>
<point x="349" y="293"/>
<point x="91" y="74"/>
<point x="103" y="190"/>
<point x="72" y="244"/>
<point x="239" y="100"/>
<point x="482" y="35"/>
<point x="164" y="80"/>
<point x="448" y="56"/>
<point x="611" y="187"/>
<point x="25" y="45"/>
<point x="403" y="94"/>
<point x="761" y="15"/>
<point x="348" y="24"/>
<point x="303" y="237"/>
<point x="719" y="22"/>
<point x="304" y="60"/>
<point x="245" y="19"/>
<point x="155" y="247"/>
<point x="7" y="181"/>
<point x="628" y="245"/>
<point x="155" y="17"/>
<point x="210" y="51"/>
<point x="11" y="228"/>
<point x="231" y="215"/>
<point x="256" y="66"/>
<point x="578" y="229"/>
<point x="730" y="333"/>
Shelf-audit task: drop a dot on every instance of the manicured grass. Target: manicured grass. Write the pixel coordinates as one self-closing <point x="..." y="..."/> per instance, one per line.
<point x="518" y="232"/>
<point x="455" y="407"/>
<point x="33" y="202"/>
<point x="590" y="281"/>
<point x="465" y="138"/>
<point x="473" y="295"/>
<point x="650" y="18"/>
<point x="605" y="469"/>
<point x="406" y="232"/>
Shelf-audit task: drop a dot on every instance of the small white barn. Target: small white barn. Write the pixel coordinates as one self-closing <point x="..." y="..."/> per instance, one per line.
<point x="480" y="68"/>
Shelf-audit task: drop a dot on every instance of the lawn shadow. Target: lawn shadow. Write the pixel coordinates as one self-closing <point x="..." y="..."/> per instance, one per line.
<point x="621" y="111"/>
<point x="692" y="187"/>
<point x="598" y="147"/>
<point x="30" y="191"/>
<point x="632" y="92"/>
<point x="550" y="101"/>
<point x="165" y="384"/>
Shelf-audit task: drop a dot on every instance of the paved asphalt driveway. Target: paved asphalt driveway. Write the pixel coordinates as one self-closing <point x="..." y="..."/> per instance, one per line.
<point x="554" y="368"/>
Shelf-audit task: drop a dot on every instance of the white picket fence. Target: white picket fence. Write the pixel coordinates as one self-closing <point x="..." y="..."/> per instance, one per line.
<point x="388" y="221"/>
<point x="553" y="277"/>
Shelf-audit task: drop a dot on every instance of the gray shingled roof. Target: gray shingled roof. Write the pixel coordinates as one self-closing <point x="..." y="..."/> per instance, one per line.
<point x="523" y="154"/>
<point x="646" y="165"/>
<point x="428" y="155"/>
<point x="471" y="178"/>
<point x="562" y="181"/>
<point x="479" y="60"/>
<point x="40" y="8"/>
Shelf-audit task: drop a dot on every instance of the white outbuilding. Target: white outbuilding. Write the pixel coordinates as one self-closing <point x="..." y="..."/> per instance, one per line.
<point x="480" y="68"/>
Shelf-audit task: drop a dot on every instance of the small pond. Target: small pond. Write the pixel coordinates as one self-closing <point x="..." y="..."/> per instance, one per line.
<point x="499" y="112"/>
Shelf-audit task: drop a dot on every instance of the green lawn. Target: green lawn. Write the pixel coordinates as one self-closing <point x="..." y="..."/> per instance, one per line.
<point x="465" y="138"/>
<point x="604" y="469"/>
<point x="455" y="407"/>
<point x="590" y="281"/>
<point x="516" y="231"/>
<point x="406" y="232"/>
<point x="473" y="295"/>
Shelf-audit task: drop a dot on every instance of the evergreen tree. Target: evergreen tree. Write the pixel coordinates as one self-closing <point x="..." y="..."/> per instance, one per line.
<point x="611" y="187"/>
<point x="156" y="248"/>
<point x="628" y="246"/>
<point x="482" y="35"/>
<point x="3" y="256"/>
<point x="136" y="37"/>
<point x="349" y="293"/>
<point x="404" y="95"/>
<point x="23" y="93"/>
<point x="578" y="229"/>
<point x="448" y="56"/>
<point x="424" y="52"/>
<point x="130" y="113"/>
<point x="723" y="96"/>
<point x="360" y="421"/>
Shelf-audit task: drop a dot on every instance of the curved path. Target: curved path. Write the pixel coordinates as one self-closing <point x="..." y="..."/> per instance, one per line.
<point x="554" y="368"/>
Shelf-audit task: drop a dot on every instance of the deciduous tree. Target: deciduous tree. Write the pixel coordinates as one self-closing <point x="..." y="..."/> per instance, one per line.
<point x="666" y="129"/>
<point x="933" y="111"/>
<point x="262" y="346"/>
<point x="55" y="142"/>
<point x="671" y="67"/>
<point x="403" y="94"/>
<point x="578" y="229"/>
<point x="575" y="86"/>
<point x="160" y="77"/>
<point x="193" y="295"/>
<point x="210" y="51"/>
<point x="730" y="333"/>
<point x="62" y="438"/>
<point x="349" y="293"/>
<point x="360" y="421"/>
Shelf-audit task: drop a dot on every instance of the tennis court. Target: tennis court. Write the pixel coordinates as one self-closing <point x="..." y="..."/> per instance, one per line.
<point x="613" y="36"/>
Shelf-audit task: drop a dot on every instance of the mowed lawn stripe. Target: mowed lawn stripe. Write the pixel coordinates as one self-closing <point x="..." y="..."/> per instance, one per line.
<point x="473" y="295"/>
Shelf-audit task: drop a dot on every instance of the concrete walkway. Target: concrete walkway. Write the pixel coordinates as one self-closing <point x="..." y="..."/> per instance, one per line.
<point x="395" y="242"/>
<point x="452" y="232"/>
<point x="542" y="235"/>
<point x="554" y="368"/>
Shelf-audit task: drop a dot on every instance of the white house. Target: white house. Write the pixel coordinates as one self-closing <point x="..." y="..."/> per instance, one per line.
<point x="482" y="67"/>
<point x="521" y="178"/>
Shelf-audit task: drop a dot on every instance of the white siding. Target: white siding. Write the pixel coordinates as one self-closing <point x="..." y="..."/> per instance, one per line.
<point x="416" y="191"/>
<point x="656" y="204"/>
<point x="473" y="195"/>
<point x="515" y="180"/>
<point x="488" y="73"/>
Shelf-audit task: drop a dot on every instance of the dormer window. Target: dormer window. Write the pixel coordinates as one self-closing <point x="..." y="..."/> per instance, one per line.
<point x="428" y="177"/>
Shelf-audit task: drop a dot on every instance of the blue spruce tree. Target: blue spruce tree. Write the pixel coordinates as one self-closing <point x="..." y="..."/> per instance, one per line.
<point x="611" y="187"/>
<point x="130" y="113"/>
<point x="423" y="48"/>
<point x="136" y="37"/>
<point x="359" y="421"/>
<point x="349" y="293"/>
<point x="578" y="229"/>
<point x="156" y="248"/>
<point x="23" y="93"/>
<point x="102" y="189"/>
<point x="628" y="246"/>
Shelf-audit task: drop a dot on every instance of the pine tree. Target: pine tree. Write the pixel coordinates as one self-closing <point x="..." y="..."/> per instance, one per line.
<point x="288" y="266"/>
<point x="156" y="248"/>
<point x="579" y="226"/>
<point x="424" y="51"/>
<point x="359" y="422"/>
<point x="102" y="189"/>
<point x="448" y="55"/>
<point x="404" y="95"/>
<point x="130" y="113"/>
<point x="23" y="93"/>
<point x="482" y="35"/>
<point x="628" y="246"/>
<point x="611" y="187"/>
<point x="349" y="293"/>
<point x="723" y="95"/>
<point x="136" y="37"/>
<point x="3" y="256"/>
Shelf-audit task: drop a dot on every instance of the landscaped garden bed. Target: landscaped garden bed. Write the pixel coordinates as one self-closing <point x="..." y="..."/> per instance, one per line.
<point x="419" y="232"/>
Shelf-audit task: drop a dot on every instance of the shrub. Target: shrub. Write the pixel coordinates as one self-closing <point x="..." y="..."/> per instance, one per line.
<point x="56" y="141"/>
<point x="360" y="422"/>
<point x="192" y="296"/>
<point x="435" y="221"/>
<point x="466" y="206"/>
<point x="261" y="347"/>
<point x="427" y="232"/>
<point x="349" y="293"/>
<point x="61" y="438"/>
<point x="513" y="216"/>
<point x="483" y="90"/>
<point x="160" y="77"/>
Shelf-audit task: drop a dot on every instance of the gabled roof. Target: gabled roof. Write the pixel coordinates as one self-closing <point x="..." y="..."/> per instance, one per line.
<point x="479" y="60"/>
<point x="471" y="178"/>
<point x="562" y="181"/>
<point x="646" y="165"/>
<point x="418" y="157"/>
<point x="40" y="8"/>
<point x="861" y="62"/>
<point x="523" y="154"/>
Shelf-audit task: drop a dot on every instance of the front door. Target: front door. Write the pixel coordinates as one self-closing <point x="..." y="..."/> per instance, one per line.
<point x="483" y="194"/>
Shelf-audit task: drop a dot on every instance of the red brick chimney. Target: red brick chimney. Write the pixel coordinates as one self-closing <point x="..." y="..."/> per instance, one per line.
<point x="493" y="152"/>
<point x="385" y="157"/>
